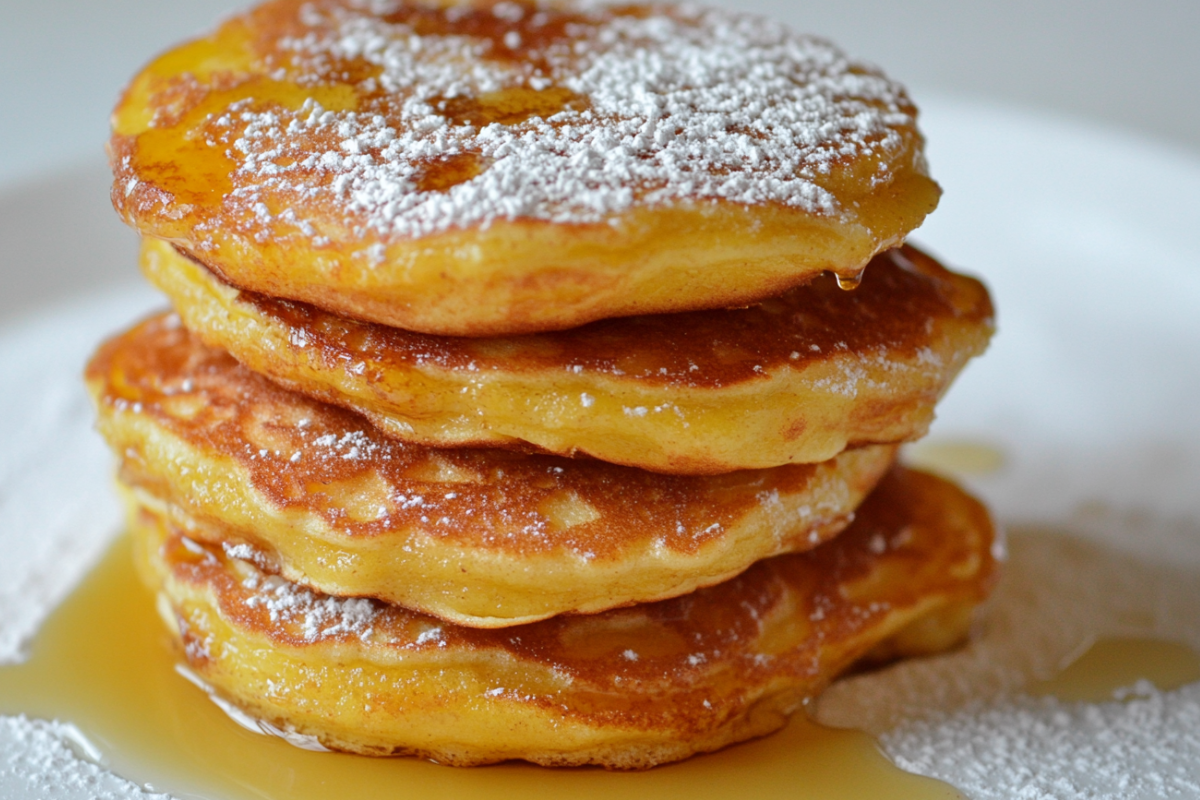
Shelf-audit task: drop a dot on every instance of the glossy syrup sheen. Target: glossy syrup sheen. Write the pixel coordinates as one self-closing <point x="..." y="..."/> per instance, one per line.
<point x="104" y="663"/>
<point x="172" y="105"/>
<point x="1116" y="663"/>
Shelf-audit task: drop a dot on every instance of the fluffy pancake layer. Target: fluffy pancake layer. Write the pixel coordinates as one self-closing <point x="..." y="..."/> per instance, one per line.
<point x="796" y="379"/>
<point x="493" y="168"/>
<point x="625" y="689"/>
<point x="486" y="538"/>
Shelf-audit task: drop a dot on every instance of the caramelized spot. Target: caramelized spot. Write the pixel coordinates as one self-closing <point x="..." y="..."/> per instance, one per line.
<point x="353" y="72"/>
<point x="510" y="106"/>
<point x="446" y="173"/>
<point x="634" y="11"/>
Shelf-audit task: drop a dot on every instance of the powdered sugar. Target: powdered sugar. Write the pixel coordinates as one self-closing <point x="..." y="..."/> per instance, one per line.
<point x="316" y="616"/>
<point x="963" y="717"/>
<point x="922" y="710"/>
<point x="350" y="446"/>
<point x="51" y="759"/>
<point x="1147" y="747"/>
<point x="681" y="105"/>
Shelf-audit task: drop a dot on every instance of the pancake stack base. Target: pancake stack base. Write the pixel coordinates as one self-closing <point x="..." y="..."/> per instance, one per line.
<point x="643" y="683"/>
<point x="103" y="651"/>
<point x="626" y="689"/>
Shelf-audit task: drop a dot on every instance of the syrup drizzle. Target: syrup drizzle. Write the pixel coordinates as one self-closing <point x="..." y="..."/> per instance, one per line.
<point x="105" y="663"/>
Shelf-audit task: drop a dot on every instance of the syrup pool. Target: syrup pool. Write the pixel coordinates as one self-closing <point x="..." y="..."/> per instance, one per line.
<point x="104" y="663"/>
<point x="1110" y="665"/>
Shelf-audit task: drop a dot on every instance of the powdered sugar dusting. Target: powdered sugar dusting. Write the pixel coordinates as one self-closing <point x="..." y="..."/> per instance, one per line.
<point x="1147" y="747"/>
<point x="626" y="110"/>
<point x="52" y="760"/>
<point x="316" y="616"/>
<point x="965" y="719"/>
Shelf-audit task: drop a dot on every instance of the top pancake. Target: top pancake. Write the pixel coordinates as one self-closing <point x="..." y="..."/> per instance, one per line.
<point x="495" y="168"/>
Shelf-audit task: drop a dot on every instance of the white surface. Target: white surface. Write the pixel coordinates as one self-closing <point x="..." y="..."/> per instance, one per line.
<point x="56" y="505"/>
<point x="1087" y="239"/>
<point x="64" y="63"/>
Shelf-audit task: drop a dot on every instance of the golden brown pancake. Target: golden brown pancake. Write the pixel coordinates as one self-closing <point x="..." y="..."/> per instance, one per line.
<point x="492" y="168"/>
<point x="795" y="379"/>
<point x="487" y="538"/>
<point x="625" y="689"/>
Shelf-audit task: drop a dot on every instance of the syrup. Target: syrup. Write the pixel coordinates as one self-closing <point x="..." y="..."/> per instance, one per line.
<point x="510" y="106"/>
<point x="105" y="663"/>
<point x="1112" y="664"/>
<point x="445" y="173"/>
<point x="955" y="458"/>
<point x="182" y="158"/>
<point x="849" y="283"/>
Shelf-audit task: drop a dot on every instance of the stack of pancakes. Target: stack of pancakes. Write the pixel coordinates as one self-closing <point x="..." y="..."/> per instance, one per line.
<point x="512" y="405"/>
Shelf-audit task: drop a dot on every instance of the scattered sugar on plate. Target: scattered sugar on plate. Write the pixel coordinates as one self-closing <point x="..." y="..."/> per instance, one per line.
<point x="46" y="443"/>
<point x="963" y="717"/>
<point x="41" y="759"/>
<point x="1038" y="748"/>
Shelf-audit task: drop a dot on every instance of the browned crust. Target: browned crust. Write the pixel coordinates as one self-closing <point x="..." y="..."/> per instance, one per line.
<point x="792" y="380"/>
<point x="725" y="663"/>
<point x="354" y="512"/>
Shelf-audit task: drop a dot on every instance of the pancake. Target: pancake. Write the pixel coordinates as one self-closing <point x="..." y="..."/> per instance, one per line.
<point x="795" y="379"/>
<point x="486" y="538"/>
<point x="625" y="689"/>
<point x="496" y="168"/>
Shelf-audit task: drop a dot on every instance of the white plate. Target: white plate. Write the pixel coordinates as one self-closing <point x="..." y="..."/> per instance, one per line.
<point x="1087" y="239"/>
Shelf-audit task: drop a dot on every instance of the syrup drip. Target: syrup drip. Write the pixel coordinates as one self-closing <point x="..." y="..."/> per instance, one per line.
<point x="104" y="662"/>
<point x="848" y="283"/>
<point x="1112" y="664"/>
<point x="192" y="169"/>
